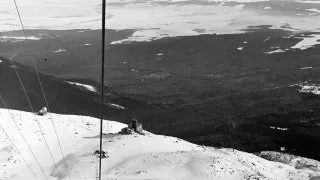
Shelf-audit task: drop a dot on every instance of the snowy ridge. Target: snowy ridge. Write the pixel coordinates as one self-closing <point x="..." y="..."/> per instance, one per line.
<point x="133" y="156"/>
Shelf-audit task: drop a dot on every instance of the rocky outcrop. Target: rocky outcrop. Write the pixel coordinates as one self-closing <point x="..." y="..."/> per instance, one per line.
<point x="294" y="161"/>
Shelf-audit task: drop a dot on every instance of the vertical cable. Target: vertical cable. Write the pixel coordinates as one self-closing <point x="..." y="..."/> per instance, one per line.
<point x="24" y="32"/>
<point x="15" y="147"/>
<point x="24" y="138"/>
<point x="32" y="110"/>
<point x="102" y="78"/>
<point x="43" y="93"/>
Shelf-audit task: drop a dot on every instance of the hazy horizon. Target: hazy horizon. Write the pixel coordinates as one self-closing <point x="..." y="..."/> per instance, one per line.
<point x="156" y="19"/>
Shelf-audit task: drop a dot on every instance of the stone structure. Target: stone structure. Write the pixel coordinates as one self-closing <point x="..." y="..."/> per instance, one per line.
<point x="126" y="130"/>
<point x="134" y="126"/>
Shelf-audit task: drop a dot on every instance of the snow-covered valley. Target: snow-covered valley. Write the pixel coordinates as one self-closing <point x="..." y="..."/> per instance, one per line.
<point x="133" y="156"/>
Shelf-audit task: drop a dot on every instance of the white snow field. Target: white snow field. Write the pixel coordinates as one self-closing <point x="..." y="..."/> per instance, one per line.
<point x="307" y="42"/>
<point x="130" y="157"/>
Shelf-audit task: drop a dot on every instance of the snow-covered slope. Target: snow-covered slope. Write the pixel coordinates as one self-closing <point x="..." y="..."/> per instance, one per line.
<point x="134" y="156"/>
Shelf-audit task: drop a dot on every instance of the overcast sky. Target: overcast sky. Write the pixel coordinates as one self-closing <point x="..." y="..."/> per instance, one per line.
<point x="55" y="14"/>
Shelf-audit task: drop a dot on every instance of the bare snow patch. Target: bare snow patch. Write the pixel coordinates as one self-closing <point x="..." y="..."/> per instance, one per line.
<point x="275" y="51"/>
<point x="303" y="68"/>
<point x="84" y="30"/>
<point x="308" y="88"/>
<point x="307" y="42"/>
<point x="314" y="89"/>
<point x="146" y="35"/>
<point x="21" y="38"/>
<point x="278" y="128"/>
<point x="117" y="106"/>
<point x="240" y="48"/>
<point x="313" y="10"/>
<point x="308" y="2"/>
<point x="119" y="41"/>
<point x="59" y="51"/>
<point x="86" y="86"/>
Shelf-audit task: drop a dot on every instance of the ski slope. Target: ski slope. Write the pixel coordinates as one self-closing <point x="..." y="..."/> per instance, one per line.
<point x="133" y="157"/>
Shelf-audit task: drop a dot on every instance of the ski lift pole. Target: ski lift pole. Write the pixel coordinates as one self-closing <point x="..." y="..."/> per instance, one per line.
<point x="102" y="78"/>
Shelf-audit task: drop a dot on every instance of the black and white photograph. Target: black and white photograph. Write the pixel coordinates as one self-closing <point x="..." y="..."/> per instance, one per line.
<point x="159" y="89"/>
